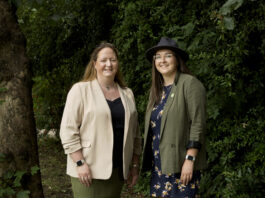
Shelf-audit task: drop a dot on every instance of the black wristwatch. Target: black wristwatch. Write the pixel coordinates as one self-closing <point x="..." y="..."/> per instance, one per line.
<point x="80" y="162"/>
<point x="190" y="157"/>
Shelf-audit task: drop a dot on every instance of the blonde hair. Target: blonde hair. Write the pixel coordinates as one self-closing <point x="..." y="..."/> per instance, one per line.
<point x="90" y="71"/>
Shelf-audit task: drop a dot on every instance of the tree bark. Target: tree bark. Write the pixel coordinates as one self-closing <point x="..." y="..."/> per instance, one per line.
<point x="18" y="138"/>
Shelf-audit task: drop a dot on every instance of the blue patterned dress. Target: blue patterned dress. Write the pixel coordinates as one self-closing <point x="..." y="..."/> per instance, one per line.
<point x="163" y="185"/>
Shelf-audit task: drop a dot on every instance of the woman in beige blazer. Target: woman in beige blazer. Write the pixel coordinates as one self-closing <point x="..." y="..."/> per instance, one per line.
<point x="99" y="129"/>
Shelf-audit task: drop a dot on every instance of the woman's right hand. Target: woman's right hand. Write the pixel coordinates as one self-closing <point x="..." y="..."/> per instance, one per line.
<point x="84" y="174"/>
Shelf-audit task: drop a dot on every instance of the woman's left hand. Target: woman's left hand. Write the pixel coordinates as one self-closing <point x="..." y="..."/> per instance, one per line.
<point x="133" y="177"/>
<point x="186" y="172"/>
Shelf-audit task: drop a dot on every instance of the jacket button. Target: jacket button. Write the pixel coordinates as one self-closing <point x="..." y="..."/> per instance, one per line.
<point x="172" y="95"/>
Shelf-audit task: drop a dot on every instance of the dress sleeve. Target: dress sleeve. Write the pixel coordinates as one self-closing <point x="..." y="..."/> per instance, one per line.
<point x="71" y="121"/>
<point x="196" y="104"/>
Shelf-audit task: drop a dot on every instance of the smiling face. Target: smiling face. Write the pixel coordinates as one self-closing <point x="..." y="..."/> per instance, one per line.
<point x="106" y="64"/>
<point x="165" y="62"/>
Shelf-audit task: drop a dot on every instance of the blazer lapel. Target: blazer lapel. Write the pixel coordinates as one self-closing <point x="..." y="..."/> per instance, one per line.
<point x="101" y="97"/>
<point x="166" y="108"/>
<point x="168" y="104"/>
<point x="125" y="103"/>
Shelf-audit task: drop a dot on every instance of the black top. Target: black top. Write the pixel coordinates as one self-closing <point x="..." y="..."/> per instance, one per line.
<point x="118" y="117"/>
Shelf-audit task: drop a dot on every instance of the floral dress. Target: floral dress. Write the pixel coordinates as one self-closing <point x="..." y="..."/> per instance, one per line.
<point x="167" y="185"/>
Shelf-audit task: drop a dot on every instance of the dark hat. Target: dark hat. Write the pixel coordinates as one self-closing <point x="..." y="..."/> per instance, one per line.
<point x="166" y="43"/>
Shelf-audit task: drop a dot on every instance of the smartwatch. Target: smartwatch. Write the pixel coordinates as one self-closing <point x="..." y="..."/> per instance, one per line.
<point x="80" y="162"/>
<point x="190" y="157"/>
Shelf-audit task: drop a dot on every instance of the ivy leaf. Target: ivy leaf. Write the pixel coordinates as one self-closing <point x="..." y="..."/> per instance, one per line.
<point x="34" y="170"/>
<point x="188" y="29"/>
<point x="9" y="174"/>
<point x="230" y="6"/>
<point x="229" y="23"/>
<point x="181" y="43"/>
<point x="23" y="194"/>
<point x="6" y="191"/>
<point x="19" y="175"/>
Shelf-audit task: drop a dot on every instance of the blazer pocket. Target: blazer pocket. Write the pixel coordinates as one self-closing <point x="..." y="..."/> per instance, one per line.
<point x="86" y="144"/>
<point x="87" y="151"/>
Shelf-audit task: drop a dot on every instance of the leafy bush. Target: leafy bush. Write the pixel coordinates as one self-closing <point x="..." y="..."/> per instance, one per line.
<point x="60" y="37"/>
<point x="236" y="159"/>
<point x="226" y="47"/>
<point x="11" y="182"/>
<point x="226" y="43"/>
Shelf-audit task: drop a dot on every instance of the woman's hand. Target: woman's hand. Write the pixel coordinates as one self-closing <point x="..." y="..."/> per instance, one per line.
<point x="84" y="174"/>
<point x="186" y="172"/>
<point x="133" y="176"/>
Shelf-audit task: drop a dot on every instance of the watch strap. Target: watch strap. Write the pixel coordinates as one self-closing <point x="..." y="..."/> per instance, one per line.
<point x="190" y="157"/>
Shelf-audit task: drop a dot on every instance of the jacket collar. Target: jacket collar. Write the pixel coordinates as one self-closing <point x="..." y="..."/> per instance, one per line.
<point x="177" y="78"/>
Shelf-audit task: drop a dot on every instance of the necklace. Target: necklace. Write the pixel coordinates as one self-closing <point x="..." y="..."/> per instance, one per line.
<point x="108" y="87"/>
<point x="110" y="90"/>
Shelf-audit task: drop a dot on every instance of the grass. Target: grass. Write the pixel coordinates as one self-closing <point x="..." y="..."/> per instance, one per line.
<point x="55" y="182"/>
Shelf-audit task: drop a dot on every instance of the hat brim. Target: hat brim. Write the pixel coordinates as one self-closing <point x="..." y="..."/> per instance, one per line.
<point x="151" y="51"/>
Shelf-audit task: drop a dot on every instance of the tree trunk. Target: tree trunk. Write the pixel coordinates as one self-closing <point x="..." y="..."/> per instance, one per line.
<point x="18" y="138"/>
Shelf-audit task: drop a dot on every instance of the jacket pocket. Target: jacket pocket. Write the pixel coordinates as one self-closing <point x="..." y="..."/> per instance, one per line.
<point x="87" y="151"/>
<point x="86" y="144"/>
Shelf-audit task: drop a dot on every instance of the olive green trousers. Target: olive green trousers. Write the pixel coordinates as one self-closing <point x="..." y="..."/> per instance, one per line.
<point x="110" y="188"/>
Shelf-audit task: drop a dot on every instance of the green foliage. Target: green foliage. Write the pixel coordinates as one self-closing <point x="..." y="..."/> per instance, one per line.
<point x="23" y="194"/>
<point x="238" y="162"/>
<point x="60" y="37"/>
<point x="34" y="170"/>
<point x="48" y="97"/>
<point x="225" y="40"/>
<point x="11" y="182"/>
<point x="54" y="28"/>
<point x="226" y="43"/>
<point x="142" y="185"/>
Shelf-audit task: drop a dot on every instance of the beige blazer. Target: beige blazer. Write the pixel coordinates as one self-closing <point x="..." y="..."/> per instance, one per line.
<point x="86" y="124"/>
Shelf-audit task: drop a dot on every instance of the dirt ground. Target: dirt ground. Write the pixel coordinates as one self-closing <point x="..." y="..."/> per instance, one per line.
<point x="56" y="184"/>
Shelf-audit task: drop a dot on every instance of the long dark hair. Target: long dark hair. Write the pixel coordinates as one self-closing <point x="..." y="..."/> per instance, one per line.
<point x="158" y="81"/>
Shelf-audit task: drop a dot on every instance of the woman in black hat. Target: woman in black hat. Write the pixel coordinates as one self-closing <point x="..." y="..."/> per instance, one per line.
<point x="174" y="144"/>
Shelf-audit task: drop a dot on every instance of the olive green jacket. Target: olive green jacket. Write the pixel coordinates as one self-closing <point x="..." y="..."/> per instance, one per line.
<point x="182" y="124"/>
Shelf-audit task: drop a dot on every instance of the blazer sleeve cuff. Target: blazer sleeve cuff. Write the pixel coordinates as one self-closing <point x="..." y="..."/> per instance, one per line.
<point x="194" y="144"/>
<point x="71" y="148"/>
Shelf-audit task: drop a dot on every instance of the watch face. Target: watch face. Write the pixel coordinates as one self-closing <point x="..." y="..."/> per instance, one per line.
<point x="190" y="158"/>
<point x="79" y="163"/>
